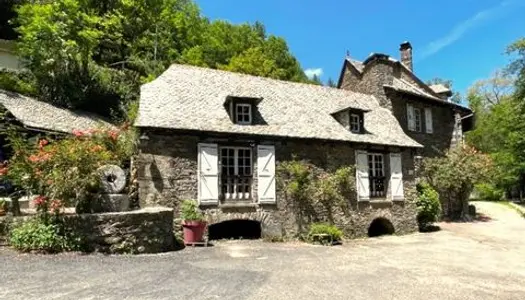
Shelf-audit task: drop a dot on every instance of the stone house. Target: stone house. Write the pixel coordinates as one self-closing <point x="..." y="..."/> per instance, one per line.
<point x="218" y="137"/>
<point x="423" y="111"/>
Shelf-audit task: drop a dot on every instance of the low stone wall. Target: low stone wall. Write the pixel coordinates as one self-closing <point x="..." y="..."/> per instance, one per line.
<point x="149" y="230"/>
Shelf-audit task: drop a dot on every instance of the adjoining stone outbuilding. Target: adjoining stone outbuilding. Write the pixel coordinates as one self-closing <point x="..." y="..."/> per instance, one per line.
<point x="217" y="137"/>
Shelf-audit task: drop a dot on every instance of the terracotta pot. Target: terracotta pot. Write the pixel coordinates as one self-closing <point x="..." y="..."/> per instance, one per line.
<point x="193" y="231"/>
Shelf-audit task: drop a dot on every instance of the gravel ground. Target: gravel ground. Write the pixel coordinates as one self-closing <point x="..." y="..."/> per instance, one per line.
<point x="482" y="260"/>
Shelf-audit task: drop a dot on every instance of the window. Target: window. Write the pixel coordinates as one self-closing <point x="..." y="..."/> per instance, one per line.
<point x="236" y="173"/>
<point x="428" y="120"/>
<point x="243" y="113"/>
<point x="355" y="123"/>
<point x="417" y="119"/>
<point x="376" y="173"/>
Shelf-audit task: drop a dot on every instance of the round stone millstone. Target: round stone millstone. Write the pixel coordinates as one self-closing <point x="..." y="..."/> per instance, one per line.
<point x="112" y="179"/>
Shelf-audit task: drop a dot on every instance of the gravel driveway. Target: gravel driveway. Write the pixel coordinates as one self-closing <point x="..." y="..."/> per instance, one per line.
<point x="483" y="260"/>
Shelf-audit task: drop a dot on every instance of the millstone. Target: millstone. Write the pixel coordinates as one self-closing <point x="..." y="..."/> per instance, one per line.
<point x="112" y="179"/>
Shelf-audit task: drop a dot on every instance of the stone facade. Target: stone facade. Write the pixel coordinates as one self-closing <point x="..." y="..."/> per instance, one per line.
<point x="381" y="72"/>
<point x="167" y="174"/>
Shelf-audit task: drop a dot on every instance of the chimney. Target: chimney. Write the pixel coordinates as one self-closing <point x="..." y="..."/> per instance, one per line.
<point x="405" y="50"/>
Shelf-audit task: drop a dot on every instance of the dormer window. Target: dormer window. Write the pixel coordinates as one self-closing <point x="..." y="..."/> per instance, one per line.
<point x="243" y="110"/>
<point x="243" y="113"/>
<point x="355" y="123"/>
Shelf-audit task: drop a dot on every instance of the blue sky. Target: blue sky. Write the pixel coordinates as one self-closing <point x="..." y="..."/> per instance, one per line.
<point x="461" y="40"/>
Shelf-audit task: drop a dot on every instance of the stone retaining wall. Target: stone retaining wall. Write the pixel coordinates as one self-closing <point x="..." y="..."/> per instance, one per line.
<point x="149" y="230"/>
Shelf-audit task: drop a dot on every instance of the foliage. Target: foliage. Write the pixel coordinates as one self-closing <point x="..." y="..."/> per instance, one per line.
<point x="190" y="211"/>
<point x="20" y="82"/>
<point x="36" y="235"/>
<point x="308" y="186"/>
<point x="332" y="231"/>
<point x="428" y="205"/>
<point x="455" y="175"/>
<point x="295" y="177"/>
<point x="64" y="170"/>
<point x="489" y="192"/>
<point x="87" y="55"/>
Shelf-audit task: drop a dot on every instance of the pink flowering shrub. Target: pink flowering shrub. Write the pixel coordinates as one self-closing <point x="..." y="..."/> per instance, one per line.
<point x="64" y="171"/>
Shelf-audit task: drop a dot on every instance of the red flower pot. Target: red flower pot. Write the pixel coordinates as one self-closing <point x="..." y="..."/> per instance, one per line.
<point x="193" y="231"/>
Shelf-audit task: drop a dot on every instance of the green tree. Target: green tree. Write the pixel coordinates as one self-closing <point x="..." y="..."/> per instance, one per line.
<point x="93" y="55"/>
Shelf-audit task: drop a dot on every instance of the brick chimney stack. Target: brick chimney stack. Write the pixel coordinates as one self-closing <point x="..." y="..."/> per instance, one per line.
<point x="405" y="50"/>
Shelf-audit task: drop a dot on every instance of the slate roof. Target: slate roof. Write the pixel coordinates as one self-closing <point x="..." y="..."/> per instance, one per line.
<point x="39" y="115"/>
<point x="439" y="88"/>
<point x="405" y="86"/>
<point x="192" y="98"/>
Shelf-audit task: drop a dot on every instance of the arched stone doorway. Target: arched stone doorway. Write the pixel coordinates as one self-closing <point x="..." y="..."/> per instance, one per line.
<point x="380" y="226"/>
<point x="235" y="229"/>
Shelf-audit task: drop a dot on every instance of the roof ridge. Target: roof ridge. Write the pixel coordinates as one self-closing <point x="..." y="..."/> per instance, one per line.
<point x="243" y="75"/>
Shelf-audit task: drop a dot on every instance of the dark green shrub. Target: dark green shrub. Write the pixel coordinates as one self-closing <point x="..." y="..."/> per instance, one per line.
<point x="428" y="205"/>
<point x="333" y="233"/>
<point x="35" y="235"/>
<point x="489" y="192"/>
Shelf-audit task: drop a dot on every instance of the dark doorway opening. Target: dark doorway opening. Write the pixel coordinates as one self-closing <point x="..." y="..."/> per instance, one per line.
<point x="380" y="226"/>
<point x="235" y="229"/>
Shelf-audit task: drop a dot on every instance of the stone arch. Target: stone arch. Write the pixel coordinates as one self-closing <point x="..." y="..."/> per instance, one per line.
<point x="250" y="225"/>
<point x="380" y="226"/>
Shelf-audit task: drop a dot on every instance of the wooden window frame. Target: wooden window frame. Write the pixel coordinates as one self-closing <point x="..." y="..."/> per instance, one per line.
<point x="373" y="176"/>
<point x="237" y="114"/>
<point x="418" y="123"/>
<point x="231" y="192"/>
<point x="355" y="120"/>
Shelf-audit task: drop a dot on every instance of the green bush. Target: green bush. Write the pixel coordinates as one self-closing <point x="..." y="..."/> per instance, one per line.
<point x="332" y="231"/>
<point x="489" y="192"/>
<point x="36" y="235"/>
<point x="428" y="205"/>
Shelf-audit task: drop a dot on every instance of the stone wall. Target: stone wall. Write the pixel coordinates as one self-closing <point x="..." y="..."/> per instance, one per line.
<point x="376" y="74"/>
<point x="443" y="120"/>
<point x="167" y="174"/>
<point x="148" y="230"/>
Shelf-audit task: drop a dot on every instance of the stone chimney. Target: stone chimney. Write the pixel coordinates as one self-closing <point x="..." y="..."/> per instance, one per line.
<point x="405" y="50"/>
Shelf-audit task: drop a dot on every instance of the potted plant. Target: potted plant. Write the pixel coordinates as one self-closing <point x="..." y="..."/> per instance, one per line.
<point x="193" y="224"/>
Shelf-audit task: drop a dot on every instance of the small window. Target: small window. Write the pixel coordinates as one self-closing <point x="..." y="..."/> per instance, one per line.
<point x="243" y="113"/>
<point x="376" y="172"/>
<point x="417" y="119"/>
<point x="355" y="123"/>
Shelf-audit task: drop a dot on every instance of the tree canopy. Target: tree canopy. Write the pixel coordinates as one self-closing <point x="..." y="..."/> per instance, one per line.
<point x="93" y="55"/>
<point x="499" y="105"/>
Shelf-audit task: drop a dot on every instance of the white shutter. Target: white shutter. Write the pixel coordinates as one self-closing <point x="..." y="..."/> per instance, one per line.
<point x="410" y="118"/>
<point x="396" y="177"/>
<point x="428" y="120"/>
<point x="361" y="175"/>
<point x="266" y="174"/>
<point x="208" y="174"/>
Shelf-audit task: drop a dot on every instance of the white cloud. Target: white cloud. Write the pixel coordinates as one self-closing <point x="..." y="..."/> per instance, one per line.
<point x="462" y="28"/>
<point x="313" y="72"/>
